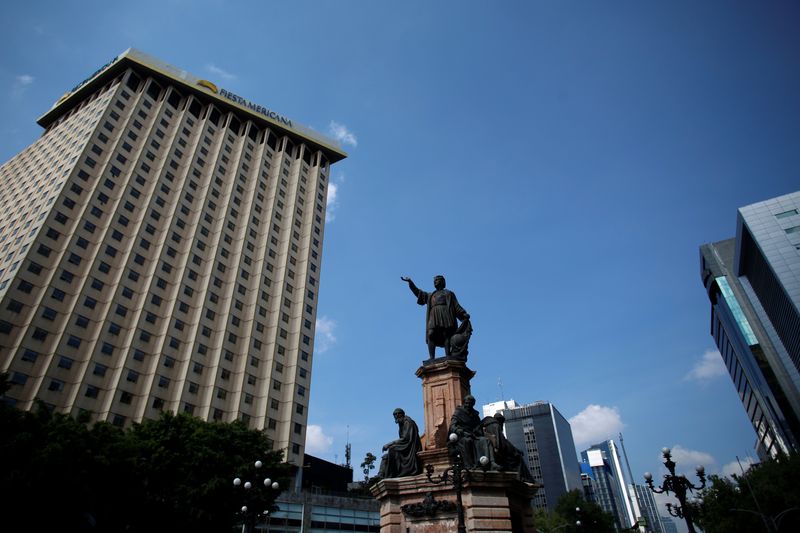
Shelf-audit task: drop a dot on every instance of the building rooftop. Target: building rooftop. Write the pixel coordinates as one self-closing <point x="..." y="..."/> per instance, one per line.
<point x="191" y="84"/>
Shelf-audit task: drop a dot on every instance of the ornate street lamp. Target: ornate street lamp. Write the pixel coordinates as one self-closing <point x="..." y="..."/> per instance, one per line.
<point x="678" y="485"/>
<point x="253" y="497"/>
<point x="457" y="476"/>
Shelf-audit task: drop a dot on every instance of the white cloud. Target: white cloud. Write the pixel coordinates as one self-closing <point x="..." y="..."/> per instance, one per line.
<point x="21" y="84"/>
<point x="216" y="71"/>
<point x="325" y="337"/>
<point x="687" y="459"/>
<point x="317" y="442"/>
<point x="594" y="424"/>
<point x="710" y="366"/>
<point x="332" y="204"/>
<point x="733" y="467"/>
<point x="342" y="134"/>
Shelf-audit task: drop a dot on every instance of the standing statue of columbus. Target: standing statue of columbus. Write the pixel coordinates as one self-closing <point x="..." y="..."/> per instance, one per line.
<point x="441" y="324"/>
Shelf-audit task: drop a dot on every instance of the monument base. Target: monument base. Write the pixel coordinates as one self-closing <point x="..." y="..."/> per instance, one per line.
<point x="445" y="383"/>
<point x="492" y="501"/>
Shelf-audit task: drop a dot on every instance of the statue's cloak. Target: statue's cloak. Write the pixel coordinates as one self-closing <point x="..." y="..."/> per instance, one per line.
<point x="440" y="319"/>
<point x="403" y="452"/>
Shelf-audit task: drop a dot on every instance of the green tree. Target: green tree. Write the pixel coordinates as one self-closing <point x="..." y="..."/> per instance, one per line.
<point x="546" y="522"/>
<point x="570" y="509"/>
<point x="171" y="474"/>
<point x="367" y="465"/>
<point x="765" y="498"/>
<point x="591" y="516"/>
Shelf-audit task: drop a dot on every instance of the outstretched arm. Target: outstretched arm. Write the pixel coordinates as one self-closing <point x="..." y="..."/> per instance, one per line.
<point x="411" y="286"/>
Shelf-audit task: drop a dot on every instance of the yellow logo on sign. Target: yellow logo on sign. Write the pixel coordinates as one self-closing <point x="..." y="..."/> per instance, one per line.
<point x="208" y="85"/>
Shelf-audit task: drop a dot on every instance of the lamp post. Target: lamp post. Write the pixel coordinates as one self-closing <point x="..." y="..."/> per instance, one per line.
<point x="457" y="476"/>
<point x="253" y="496"/>
<point x="678" y="485"/>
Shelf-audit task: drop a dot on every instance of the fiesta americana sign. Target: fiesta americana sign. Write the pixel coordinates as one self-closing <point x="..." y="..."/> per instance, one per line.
<point x="245" y="103"/>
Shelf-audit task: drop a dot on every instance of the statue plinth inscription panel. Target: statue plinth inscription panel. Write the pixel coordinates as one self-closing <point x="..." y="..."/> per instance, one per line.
<point x="445" y="383"/>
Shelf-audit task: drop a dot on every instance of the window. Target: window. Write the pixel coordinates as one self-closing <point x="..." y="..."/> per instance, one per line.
<point x="100" y="370"/>
<point x="65" y="362"/>
<point x="301" y="391"/>
<point x="193" y="387"/>
<point x="125" y="397"/>
<point x="786" y="214"/>
<point x="107" y="349"/>
<point x="133" y="376"/>
<point x="273" y="403"/>
<point x="91" y="391"/>
<point x="163" y="382"/>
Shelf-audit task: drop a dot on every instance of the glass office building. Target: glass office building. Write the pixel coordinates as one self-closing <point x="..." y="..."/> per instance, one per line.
<point x="544" y="436"/>
<point x="753" y="283"/>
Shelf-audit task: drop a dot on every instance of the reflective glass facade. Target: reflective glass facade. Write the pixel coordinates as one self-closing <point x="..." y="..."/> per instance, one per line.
<point x="753" y="283"/>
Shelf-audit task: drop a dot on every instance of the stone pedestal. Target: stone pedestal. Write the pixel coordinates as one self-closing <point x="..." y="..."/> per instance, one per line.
<point x="445" y="382"/>
<point x="494" y="502"/>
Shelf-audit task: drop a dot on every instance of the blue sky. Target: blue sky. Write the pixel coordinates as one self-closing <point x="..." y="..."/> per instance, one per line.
<point x="559" y="162"/>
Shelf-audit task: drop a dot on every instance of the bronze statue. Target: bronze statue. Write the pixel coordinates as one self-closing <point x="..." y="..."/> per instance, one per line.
<point x="401" y="458"/>
<point x="505" y="457"/>
<point x="466" y="425"/>
<point x="441" y="320"/>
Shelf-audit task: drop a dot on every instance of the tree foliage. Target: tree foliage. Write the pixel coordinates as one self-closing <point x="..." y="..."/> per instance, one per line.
<point x="765" y="498"/>
<point x="368" y="464"/>
<point x="171" y="474"/>
<point x="570" y="509"/>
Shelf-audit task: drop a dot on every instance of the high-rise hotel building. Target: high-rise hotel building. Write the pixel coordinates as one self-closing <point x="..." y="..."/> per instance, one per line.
<point x="160" y="249"/>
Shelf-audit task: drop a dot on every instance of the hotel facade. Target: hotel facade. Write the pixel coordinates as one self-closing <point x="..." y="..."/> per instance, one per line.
<point x="160" y="250"/>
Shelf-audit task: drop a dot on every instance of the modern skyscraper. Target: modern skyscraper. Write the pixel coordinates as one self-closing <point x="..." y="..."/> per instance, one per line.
<point x="545" y="438"/>
<point x="161" y="246"/>
<point x="608" y="483"/>
<point x="753" y="282"/>
<point x="647" y="505"/>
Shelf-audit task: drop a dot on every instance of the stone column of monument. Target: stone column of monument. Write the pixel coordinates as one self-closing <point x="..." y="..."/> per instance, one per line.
<point x="492" y="501"/>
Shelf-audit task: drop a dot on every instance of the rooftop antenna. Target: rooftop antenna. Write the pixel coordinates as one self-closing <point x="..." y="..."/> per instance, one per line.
<point x="347" y="449"/>
<point x="500" y="386"/>
<point x="625" y="453"/>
